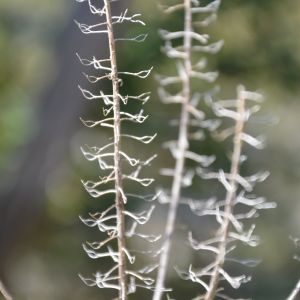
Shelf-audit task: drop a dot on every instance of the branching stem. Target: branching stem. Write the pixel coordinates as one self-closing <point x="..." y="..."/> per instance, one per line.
<point x="182" y="147"/>
<point x="230" y="196"/>
<point x="117" y="158"/>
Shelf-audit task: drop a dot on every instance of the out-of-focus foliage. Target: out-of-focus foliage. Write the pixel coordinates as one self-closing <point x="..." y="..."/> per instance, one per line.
<point x="27" y="32"/>
<point x="262" y="51"/>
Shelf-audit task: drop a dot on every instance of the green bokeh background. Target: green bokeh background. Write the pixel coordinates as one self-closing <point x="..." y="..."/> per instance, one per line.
<point x="262" y="51"/>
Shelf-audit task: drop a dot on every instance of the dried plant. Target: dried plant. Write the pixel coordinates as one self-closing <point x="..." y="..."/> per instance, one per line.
<point x="4" y="292"/>
<point x="294" y="292"/>
<point x="113" y="160"/>
<point x="229" y="212"/>
<point x="191" y="116"/>
<point x="239" y="206"/>
<point x="296" y="289"/>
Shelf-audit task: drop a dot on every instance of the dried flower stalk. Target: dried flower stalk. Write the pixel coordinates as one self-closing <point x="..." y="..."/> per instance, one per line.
<point x="110" y="158"/>
<point x="189" y="114"/>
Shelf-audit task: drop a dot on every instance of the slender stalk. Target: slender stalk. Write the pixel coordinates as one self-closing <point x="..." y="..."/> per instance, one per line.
<point x="230" y="197"/>
<point x="117" y="158"/>
<point x="294" y="292"/>
<point x="4" y="292"/>
<point x="180" y="161"/>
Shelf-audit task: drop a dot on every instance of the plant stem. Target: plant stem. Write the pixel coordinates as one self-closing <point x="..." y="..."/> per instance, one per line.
<point x="230" y="197"/>
<point x="294" y="292"/>
<point x="4" y="292"/>
<point x="117" y="158"/>
<point x="180" y="160"/>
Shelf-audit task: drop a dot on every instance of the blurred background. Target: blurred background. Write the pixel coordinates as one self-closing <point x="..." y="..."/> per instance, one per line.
<point x="41" y="164"/>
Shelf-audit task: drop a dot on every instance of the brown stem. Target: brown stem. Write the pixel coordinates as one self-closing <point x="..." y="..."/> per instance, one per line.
<point x="230" y="196"/>
<point x="117" y="158"/>
<point x="180" y="161"/>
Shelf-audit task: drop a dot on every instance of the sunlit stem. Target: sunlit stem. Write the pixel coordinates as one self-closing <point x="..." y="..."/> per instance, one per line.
<point x="4" y="292"/>
<point x="230" y="196"/>
<point x="180" y="161"/>
<point x="117" y="158"/>
<point x="294" y="292"/>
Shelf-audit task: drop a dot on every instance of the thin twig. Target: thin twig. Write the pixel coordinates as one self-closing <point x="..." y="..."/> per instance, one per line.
<point x="294" y="292"/>
<point x="230" y="196"/>
<point x="180" y="161"/>
<point x="117" y="158"/>
<point x="4" y="292"/>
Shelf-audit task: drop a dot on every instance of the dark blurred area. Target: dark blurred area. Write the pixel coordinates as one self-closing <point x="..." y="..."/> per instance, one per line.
<point x="41" y="164"/>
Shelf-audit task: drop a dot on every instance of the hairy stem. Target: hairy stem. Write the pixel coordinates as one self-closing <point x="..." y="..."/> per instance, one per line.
<point x="180" y="160"/>
<point x="117" y="158"/>
<point x="294" y="292"/>
<point x="230" y="197"/>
